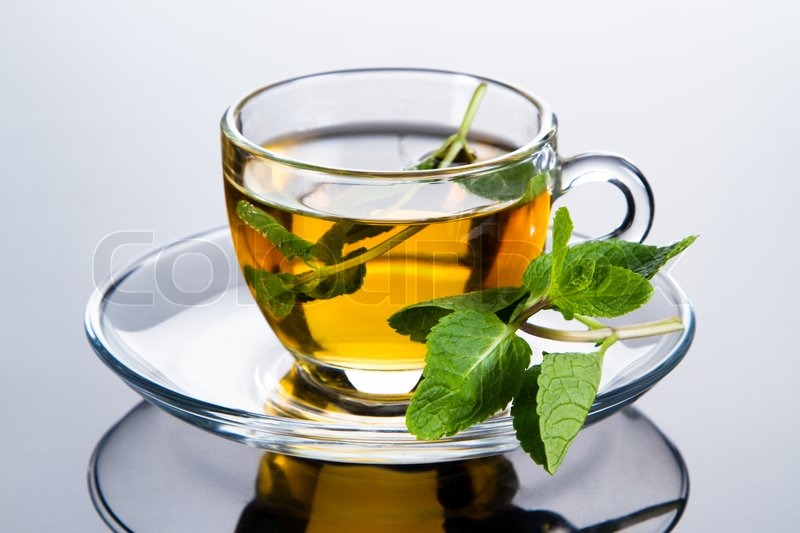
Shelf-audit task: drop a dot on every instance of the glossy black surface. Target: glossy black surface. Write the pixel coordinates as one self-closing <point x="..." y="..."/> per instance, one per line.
<point x="152" y="472"/>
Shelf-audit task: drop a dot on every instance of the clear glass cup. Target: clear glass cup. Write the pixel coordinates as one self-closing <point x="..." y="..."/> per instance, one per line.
<point x="350" y="233"/>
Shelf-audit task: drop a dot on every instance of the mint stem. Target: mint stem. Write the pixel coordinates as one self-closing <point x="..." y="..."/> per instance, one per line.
<point x="458" y="141"/>
<point x="523" y="317"/>
<point x="633" y="331"/>
<point x="322" y="272"/>
<point x="451" y="147"/>
<point x="591" y="323"/>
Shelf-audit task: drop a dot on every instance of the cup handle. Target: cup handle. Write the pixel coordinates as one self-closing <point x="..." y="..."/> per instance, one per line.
<point x="594" y="167"/>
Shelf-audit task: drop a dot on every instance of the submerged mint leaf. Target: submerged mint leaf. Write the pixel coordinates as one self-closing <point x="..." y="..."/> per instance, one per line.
<point x="567" y="386"/>
<point x="512" y="183"/>
<point x="273" y="291"/>
<point x="642" y="259"/>
<point x="330" y="247"/>
<point x="526" y="417"/>
<point x="359" y="232"/>
<point x="473" y="368"/>
<point x="287" y="243"/>
<point x="345" y="282"/>
<point x="417" y="320"/>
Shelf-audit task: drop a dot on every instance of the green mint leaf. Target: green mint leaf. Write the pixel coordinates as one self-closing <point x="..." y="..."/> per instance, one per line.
<point x="418" y="319"/>
<point x="473" y="368"/>
<point x="345" y="282"/>
<point x="511" y="183"/>
<point x="428" y="163"/>
<point x="642" y="259"/>
<point x="562" y="231"/>
<point x="526" y="418"/>
<point x="273" y="291"/>
<point x="596" y="288"/>
<point x="579" y="275"/>
<point x="287" y="243"/>
<point x="567" y="387"/>
<point x="536" y="277"/>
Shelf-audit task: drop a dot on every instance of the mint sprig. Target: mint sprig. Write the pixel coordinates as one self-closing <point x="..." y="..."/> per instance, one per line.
<point x="475" y="363"/>
<point x="455" y="148"/>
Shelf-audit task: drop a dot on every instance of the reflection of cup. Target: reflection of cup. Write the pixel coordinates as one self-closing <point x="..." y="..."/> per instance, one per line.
<point x="322" y="158"/>
<point x="295" y="494"/>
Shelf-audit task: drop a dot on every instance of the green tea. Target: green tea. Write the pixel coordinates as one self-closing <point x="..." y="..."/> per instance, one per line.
<point x="447" y="256"/>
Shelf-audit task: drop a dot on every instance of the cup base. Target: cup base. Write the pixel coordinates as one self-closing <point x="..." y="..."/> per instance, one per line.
<point x="311" y="391"/>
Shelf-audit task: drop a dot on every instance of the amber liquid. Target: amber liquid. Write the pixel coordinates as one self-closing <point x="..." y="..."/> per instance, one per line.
<point x="295" y="494"/>
<point x="446" y="257"/>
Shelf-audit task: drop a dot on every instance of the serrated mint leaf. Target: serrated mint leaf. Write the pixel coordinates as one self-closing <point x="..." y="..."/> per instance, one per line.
<point x="526" y="418"/>
<point x="510" y="183"/>
<point x="473" y="368"/>
<point x="643" y="259"/>
<point x="577" y="276"/>
<point x="612" y="291"/>
<point x="418" y="319"/>
<point x="287" y="243"/>
<point x="536" y="277"/>
<point x="562" y="231"/>
<point x="417" y="322"/>
<point x="273" y="291"/>
<point x="568" y="385"/>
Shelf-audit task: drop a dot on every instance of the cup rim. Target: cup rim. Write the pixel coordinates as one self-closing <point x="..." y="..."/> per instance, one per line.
<point x="547" y="130"/>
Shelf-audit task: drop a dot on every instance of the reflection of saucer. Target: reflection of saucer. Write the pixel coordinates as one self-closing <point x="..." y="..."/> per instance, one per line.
<point x="152" y="473"/>
<point x="180" y="327"/>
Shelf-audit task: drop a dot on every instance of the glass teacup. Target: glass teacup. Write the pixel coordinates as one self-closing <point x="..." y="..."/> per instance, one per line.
<point x="336" y="231"/>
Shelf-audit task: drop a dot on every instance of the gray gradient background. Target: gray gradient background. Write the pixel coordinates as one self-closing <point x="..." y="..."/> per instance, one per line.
<point x="109" y="122"/>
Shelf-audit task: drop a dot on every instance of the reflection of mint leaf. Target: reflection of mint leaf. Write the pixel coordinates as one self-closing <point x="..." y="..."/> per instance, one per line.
<point x="567" y="388"/>
<point x="640" y="258"/>
<point x="287" y="243"/>
<point x="473" y="368"/>
<point x="510" y="183"/>
<point x="273" y="291"/>
<point x="526" y="419"/>
<point x="417" y="320"/>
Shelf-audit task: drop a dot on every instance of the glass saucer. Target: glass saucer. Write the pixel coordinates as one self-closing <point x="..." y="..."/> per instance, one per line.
<point x="151" y="472"/>
<point x="180" y="327"/>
